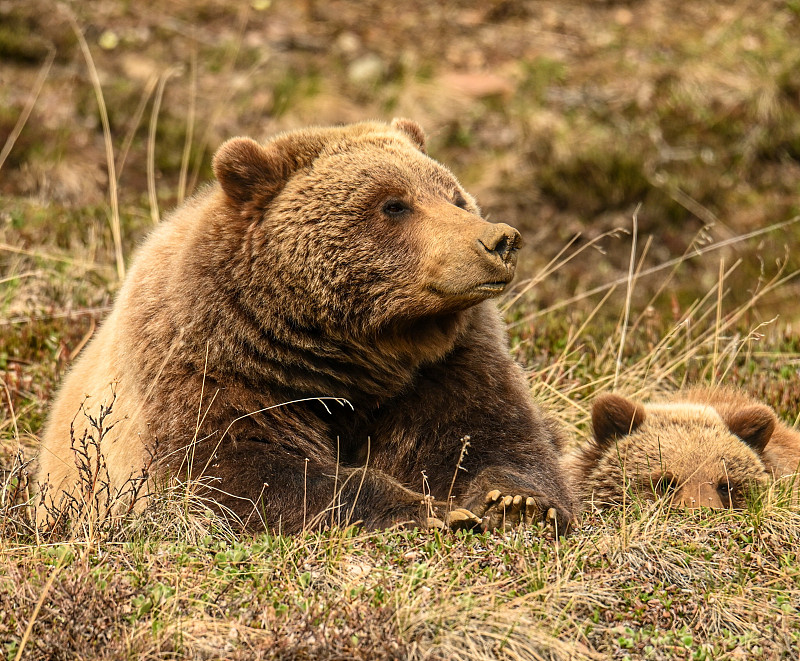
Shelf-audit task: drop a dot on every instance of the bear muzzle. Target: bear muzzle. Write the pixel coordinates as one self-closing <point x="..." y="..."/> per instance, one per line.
<point x="500" y="241"/>
<point x="472" y="261"/>
<point x="497" y="247"/>
<point x="695" y="495"/>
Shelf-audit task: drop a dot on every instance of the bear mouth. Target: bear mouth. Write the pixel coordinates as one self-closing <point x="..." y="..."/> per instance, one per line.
<point x="490" y="287"/>
<point x="482" y="290"/>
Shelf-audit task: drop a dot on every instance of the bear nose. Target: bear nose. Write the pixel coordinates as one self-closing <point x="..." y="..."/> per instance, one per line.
<point x="501" y="240"/>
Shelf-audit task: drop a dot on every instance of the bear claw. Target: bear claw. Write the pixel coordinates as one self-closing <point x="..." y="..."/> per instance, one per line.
<point x="507" y="512"/>
<point x="457" y="519"/>
<point x="460" y="519"/>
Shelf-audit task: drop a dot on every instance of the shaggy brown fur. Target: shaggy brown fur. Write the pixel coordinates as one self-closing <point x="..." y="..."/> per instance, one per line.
<point x="329" y="262"/>
<point x="781" y="455"/>
<point x="700" y="447"/>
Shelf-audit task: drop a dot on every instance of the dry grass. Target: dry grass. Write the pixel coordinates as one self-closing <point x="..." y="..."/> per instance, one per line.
<point x="645" y="582"/>
<point x="563" y="119"/>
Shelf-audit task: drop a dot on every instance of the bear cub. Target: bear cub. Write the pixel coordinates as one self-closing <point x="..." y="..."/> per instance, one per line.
<point x="700" y="447"/>
<point x="340" y="263"/>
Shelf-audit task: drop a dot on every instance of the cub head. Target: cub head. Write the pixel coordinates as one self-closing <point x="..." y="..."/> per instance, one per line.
<point x="355" y="229"/>
<point x="683" y="451"/>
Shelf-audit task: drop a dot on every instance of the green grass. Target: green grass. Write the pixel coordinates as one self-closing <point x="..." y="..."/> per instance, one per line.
<point x="650" y="584"/>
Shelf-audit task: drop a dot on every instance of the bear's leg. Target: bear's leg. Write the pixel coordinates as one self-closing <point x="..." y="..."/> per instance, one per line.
<point x="269" y="486"/>
<point x="471" y="426"/>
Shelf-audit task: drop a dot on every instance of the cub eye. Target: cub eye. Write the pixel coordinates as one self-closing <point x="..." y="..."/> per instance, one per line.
<point x="726" y="493"/>
<point x="395" y="208"/>
<point x="460" y="201"/>
<point x="665" y="485"/>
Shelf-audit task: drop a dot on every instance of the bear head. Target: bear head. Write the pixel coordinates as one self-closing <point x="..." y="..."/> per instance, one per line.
<point x="356" y="230"/>
<point x="684" y="451"/>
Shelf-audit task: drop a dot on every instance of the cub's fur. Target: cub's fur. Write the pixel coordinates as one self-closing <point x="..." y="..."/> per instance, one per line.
<point x="329" y="262"/>
<point x="699" y="447"/>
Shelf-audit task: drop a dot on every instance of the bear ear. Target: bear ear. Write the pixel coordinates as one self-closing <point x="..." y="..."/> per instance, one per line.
<point x="412" y="130"/>
<point x="753" y="424"/>
<point x="245" y="169"/>
<point x="614" y="416"/>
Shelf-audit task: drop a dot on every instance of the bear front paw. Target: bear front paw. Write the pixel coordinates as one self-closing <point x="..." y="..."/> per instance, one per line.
<point x="504" y="512"/>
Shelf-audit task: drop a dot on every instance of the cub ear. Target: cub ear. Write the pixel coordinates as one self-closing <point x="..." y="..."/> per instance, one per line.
<point x="412" y="130"/>
<point x="614" y="416"/>
<point x="753" y="424"/>
<point x="245" y="170"/>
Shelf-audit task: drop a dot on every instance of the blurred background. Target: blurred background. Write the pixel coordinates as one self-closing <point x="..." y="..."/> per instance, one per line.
<point x="577" y="122"/>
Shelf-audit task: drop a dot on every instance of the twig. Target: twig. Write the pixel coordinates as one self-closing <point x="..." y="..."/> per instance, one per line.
<point x="116" y="231"/>
<point x="628" y="294"/>
<point x="26" y="111"/>
<point x="151" y="146"/>
<point x="190" y="119"/>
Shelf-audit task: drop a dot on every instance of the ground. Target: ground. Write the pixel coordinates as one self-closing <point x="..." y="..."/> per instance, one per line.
<point x="585" y="125"/>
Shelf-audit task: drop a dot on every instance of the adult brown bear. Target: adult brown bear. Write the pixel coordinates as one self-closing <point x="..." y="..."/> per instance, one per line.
<point x="329" y="262"/>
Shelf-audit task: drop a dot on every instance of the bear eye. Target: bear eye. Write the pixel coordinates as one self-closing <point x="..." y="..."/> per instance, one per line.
<point x="460" y="201"/>
<point x="725" y="491"/>
<point x="395" y="208"/>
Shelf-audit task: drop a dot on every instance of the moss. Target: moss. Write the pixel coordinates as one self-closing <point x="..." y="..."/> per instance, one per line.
<point x="291" y="87"/>
<point x="34" y="353"/>
<point x="538" y="75"/>
<point x="30" y="30"/>
<point x="16" y="44"/>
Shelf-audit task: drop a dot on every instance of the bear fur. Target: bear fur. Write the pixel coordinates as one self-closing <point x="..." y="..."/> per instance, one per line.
<point x="701" y="446"/>
<point x="334" y="262"/>
<point x="781" y="454"/>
